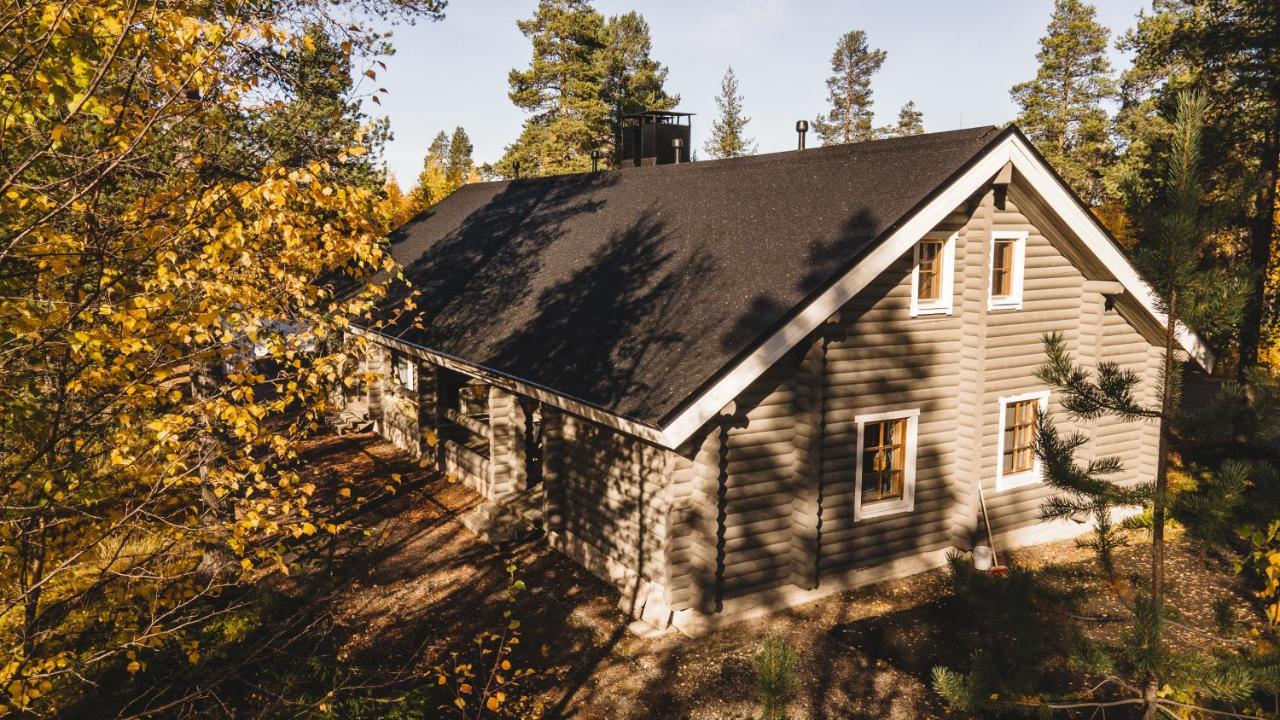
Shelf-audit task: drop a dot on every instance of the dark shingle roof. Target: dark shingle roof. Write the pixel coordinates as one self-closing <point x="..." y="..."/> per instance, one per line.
<point x="632" y="289"/>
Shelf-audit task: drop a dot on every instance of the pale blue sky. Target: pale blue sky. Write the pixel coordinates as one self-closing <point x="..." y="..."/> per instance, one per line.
<point x="957" y="59"/>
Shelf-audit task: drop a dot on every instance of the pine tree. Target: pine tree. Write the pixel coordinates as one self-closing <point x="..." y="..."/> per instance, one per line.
<point x="910" y="121"/>
<point x="632" y="80"/>
<point x="563" y="88"/>
<point x="459" y="166"/>
<point x="849" y="91"/>
<point x="585" y="72"/>
<point x="727" y="139"/>
<point x="1172" y="260"/>
<point x="1232" y="47"/>
<point x="1062" y="109"/>
<point x="321" y="118"/>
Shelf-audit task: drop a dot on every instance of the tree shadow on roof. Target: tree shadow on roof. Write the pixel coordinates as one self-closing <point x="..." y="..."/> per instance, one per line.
<point x="824" y="263"/>
<point x="487" y="262"/>
<point x="597" y="332"/>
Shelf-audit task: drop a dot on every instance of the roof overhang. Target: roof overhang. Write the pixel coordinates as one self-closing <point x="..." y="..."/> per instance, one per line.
<point x="1010" y="149"/>
<point x="542" y="394"/>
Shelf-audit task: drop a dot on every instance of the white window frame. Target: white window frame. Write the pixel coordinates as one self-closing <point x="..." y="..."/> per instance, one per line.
<point x="1012" y="301"/>
<point x="406" y="374"/>
<point x="907" y="502"/>
<point x="943" y="304"/>
<point x="1026" y="477"/>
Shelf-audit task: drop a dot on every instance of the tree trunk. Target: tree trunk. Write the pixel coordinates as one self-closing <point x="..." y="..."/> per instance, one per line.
<point x="1151" y="710"/>
<point x="1167" y="410"/>
<point x="1260" y="239"/>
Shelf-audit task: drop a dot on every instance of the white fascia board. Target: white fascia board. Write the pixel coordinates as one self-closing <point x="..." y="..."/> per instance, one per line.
<point x="1042" y="180"/>
<point x="1095" y="239"/>
<point x="834" y="298"/>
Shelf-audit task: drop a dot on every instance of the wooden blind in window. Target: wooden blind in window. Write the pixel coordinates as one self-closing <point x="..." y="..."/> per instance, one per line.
<point x="1019" y="435"/>
<point x="1002" y="268"/>
<point x="884" y="449"/>
<point x="930" y="253"/>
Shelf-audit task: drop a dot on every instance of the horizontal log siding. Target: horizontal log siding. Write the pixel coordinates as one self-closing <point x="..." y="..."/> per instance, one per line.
<point x="880" y="359"/>
<point x="1115" y="437"/>
<point x="1052" y="301"/>
<point x="610" y="493"/>
<point x="757" y="491"/>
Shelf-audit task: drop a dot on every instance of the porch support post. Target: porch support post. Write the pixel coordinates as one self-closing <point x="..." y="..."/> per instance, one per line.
<point x="508" y="473"/>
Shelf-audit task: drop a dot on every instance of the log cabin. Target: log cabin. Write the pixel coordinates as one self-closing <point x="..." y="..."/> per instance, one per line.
<point x="729" y="387"/>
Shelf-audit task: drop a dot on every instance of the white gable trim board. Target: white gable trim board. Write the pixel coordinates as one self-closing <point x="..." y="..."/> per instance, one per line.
<point x="1012" y="150"/>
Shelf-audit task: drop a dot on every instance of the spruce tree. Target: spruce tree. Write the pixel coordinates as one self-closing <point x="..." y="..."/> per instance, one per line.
<point x="432" y="186"/>
<point x="727" y="139"/>
<point x="1192" y="295"/>
<point x="849" y="91"/>
<point x="459" y="166"/>
<point x="910" y="121"/>
<point x="1061" y="109"/>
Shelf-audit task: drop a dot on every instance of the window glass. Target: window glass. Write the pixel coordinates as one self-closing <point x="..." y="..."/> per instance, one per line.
<point x="883" y="459"/>
<point x="1002" y="268"/>
<point x="931" y="270"/>
<point x="1019" y="435"/>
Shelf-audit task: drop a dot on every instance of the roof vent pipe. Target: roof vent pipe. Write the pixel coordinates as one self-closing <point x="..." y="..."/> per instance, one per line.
<point x="595" y="160"/>
<point x="515" y="167"/>
<point x="802" y="127"/>
<point x="676" y="144"/>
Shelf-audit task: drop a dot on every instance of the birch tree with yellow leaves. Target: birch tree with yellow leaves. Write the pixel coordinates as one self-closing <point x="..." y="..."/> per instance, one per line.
<point x="171" y="287"/>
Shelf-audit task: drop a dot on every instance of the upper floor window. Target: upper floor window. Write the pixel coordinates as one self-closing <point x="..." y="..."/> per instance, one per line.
<point x="931" y="276"/>
<point x="885" y="482"/>
<point x="1017" y="463"/>
<point x="1008" y="256"/>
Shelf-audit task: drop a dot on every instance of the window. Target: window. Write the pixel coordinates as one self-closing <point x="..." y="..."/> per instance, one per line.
<point x="1017" y="464"/>
<point x="1008" y="252"/>
<point x="886" y="469"/>
<point x="406" y="372"/>
<point x="931" y="276"/>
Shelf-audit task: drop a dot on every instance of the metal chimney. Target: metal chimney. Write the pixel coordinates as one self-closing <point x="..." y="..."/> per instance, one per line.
<point x="676" y="145"/>
<point x="595" y="160"/>
<point x="646" y="138"/>
<point x="802" y="127"/>
<point x="515" y="167"/>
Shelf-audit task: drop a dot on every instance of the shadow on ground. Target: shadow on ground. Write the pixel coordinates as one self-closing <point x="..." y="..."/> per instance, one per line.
<point x="356" y="628"/>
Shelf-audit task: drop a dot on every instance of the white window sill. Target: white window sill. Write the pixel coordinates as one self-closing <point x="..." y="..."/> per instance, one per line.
<point x="1004" y="304"/>
<point x="919" y="310"/>
<point x="1017" y="480"/>
<point x="881" y="508"/>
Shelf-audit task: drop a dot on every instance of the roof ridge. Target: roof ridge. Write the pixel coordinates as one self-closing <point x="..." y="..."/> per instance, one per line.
<point x="875" y="145"/>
